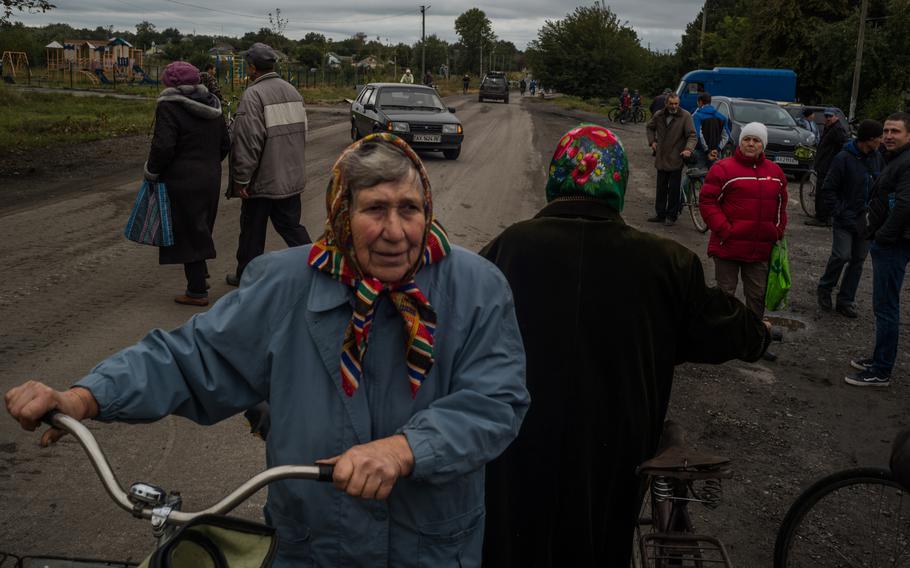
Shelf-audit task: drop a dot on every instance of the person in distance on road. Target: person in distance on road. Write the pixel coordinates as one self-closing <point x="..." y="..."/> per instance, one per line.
<point x="407" y="77"/>
<point x="188" y="145"/>
<point x="382" y="349"/>
<point x="268" y="149"/>
<point x="606" y="311"/>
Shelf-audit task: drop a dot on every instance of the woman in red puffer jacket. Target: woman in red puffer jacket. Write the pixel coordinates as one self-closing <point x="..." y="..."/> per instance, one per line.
<point x="744" y="203"/>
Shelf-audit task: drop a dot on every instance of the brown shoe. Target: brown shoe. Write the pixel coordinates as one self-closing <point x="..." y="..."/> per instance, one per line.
<point x="191" y="301"/>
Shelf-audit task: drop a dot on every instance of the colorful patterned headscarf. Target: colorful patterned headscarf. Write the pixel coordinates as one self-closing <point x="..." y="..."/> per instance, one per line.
<point x="589" y="162"/>
<point x="333" y="254"/>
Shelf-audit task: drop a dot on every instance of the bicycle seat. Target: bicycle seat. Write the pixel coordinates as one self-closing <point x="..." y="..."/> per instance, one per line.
<point x="696" y="172"/>
<point x="673" y="457"/>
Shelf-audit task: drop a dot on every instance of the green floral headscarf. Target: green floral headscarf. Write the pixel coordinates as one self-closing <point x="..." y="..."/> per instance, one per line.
<point x="589" y="162"/>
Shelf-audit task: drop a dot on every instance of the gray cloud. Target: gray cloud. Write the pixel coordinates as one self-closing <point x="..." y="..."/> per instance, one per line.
<point x="659" y="24"/>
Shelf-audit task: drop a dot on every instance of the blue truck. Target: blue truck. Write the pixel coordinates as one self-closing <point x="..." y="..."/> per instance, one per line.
<point x="774" y="84"/>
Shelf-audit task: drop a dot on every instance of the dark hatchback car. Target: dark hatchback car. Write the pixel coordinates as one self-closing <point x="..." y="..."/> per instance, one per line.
<point x="494" y="86"/>
<point x="790" y="146"/>
<point x="413" y="112"/>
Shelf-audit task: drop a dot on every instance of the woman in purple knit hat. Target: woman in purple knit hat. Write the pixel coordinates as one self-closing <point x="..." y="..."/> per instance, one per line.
<point x="188" y="146"/>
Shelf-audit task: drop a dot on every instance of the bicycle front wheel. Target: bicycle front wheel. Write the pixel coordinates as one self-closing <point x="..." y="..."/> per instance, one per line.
<point x="613" y="115"/>
<point x="807" y="189"/>
<point x="692" y="201"/>
<point x="857" y="517"/>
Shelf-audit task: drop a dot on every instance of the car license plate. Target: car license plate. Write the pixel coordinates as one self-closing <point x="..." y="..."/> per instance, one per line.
<point x="785" y="160"/>
<point x="433" y="138"/>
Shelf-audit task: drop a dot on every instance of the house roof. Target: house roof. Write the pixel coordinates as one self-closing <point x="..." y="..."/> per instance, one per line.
<point x="119" y="41"/>
<point x="54" y="45"/>
<point x="91" y="43"/>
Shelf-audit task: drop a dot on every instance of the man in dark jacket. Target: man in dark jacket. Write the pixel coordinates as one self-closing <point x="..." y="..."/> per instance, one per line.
<point x="605" y="311"/>
<point x="659" y="102"/>
<point x="847" y="189"/>
<point x="267" y="159"/>
<point x="832" y="141"/>
<point x="888" y="223"/>
<point x="671" y="136"/>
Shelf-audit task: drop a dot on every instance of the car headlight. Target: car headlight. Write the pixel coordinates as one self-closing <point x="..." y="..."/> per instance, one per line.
<point x="451" y="129"/>
<point x="398" y="126"/>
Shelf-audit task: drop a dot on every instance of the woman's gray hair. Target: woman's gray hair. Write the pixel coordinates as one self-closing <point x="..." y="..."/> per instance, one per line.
<point x="373" y="163"/>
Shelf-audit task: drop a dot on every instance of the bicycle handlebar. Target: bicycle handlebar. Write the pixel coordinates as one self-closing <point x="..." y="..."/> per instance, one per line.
<point x="319" y="472"/>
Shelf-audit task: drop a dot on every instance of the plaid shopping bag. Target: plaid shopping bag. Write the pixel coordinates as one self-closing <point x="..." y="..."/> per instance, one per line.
<point x="150" y="219"/>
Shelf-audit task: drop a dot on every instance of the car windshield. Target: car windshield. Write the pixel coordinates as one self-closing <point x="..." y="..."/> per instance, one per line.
<point x="769" y="115"/>
<point x="410" y="99"/>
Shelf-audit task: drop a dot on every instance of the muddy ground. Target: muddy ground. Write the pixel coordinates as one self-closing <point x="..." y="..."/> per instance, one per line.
<point x="65" y="304"/>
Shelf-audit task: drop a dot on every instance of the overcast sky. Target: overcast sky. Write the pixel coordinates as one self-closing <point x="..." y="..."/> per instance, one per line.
<point x="658" y="23"/>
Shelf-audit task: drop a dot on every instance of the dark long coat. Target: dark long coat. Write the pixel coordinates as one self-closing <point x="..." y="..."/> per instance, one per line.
<point x="605" y="312"/>
<point x="188" y="147"/>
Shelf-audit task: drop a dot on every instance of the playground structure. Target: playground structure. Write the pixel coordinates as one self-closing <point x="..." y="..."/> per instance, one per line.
<point x="96" y="62"/>
<point x="14" y="64"/>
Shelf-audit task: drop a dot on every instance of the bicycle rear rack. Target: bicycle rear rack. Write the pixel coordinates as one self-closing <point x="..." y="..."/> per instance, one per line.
<point x="680" y="550"/>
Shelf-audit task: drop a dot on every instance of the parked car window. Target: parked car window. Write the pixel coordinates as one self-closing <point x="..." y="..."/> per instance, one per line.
<point x="365" y="95"/>
<point x="724" y="109"/>
<point x="411" y="99"/>
<point x="695" y="88"/>
<point x="769" y="114"/>
<point x="371" y="98"/>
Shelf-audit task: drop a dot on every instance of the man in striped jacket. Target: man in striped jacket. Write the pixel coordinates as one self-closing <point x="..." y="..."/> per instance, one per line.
<point x="268" y="170"/>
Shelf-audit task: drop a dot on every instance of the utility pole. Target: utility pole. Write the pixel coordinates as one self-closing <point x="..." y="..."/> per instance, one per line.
<point x="857" y="69"/>
<point x="481" y="59"/>
<point x="423" y="41"/>
<point x="704" y="27"/>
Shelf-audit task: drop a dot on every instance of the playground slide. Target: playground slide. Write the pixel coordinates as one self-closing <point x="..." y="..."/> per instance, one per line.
<point x="102" y="77"/>
<point x="145" y="78"/>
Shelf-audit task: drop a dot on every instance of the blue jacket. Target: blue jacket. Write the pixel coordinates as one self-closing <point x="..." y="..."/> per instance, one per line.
<point x="708" y="113"/>
<point x="848" y="185"/>
<point x="278" y="338"/>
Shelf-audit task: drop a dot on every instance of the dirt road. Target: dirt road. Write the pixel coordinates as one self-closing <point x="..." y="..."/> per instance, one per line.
<point x="74" y="291"/>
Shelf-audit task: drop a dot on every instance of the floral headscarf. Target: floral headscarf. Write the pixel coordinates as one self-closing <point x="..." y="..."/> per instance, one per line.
<point x="333" y="254"/>
<point x="589" y="162"/>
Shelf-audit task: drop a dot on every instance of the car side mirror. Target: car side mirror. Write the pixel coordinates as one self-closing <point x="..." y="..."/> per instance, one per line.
<point x="369" y="106"/>
<point x="452" y="110"/>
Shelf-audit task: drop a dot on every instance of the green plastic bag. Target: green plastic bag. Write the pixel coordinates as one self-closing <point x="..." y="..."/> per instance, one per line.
<point x="215" y="541"/>
<point x="778" y="277"/>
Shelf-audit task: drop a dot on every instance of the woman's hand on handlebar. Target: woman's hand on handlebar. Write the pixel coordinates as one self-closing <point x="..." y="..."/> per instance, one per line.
<point x="370" y="470"/>
<point x="30" y="402"/>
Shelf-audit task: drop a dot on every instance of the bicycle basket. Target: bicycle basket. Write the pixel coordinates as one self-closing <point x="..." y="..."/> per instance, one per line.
<point x="214" y="541"/>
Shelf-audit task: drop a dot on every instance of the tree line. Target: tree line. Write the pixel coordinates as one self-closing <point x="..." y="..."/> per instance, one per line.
<point x="477" y="44"/>
<point x="591" y="53"/>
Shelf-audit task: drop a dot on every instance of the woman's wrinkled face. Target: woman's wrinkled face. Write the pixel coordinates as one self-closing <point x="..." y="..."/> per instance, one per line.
<point x="751" y="146"/>
<point x="387" y="226"/>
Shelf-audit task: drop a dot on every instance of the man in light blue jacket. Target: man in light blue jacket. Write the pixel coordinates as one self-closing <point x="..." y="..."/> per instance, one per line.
<point x="408" y="423"/>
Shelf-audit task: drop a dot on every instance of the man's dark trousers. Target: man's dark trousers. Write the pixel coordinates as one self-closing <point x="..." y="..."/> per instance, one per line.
<point x="889" y="263"/>
<point x="668" y="190"/>
<point x="848" y="249"/>
<point x="255" y="213"/>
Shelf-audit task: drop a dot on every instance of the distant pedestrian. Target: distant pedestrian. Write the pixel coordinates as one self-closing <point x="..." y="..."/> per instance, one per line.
<point x="428" y="79"/>
<point x="744" y="203"/>
<point x="188" y="145"/>
<point x="847" y="189"/>
<point x="268" y="159"/>
<point x="533" y="86"/>
<point x="832" y="141"/>
<point x="659" y="102"/>
<point x="671" y="136"/>
<point x="807" y="122"/>
<point x="407" y="77"/>
<point x="209" y="79"/>
<point x="888" y="223"/>
<point x="465" y="83"/>
<point x="522" y="86"/>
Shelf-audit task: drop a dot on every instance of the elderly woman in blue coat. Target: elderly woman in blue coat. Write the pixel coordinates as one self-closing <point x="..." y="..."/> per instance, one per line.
<point x="381" y="348"/>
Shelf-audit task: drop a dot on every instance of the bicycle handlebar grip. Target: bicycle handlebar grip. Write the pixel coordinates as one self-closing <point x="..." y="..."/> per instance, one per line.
<point x="49" y="418"/>
<point x="326" y="471"/>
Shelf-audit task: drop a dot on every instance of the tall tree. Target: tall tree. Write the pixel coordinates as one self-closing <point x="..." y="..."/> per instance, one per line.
<point x="476" y="32"/>
<point x="30" y="6"/>
<point x="146" y="34"/>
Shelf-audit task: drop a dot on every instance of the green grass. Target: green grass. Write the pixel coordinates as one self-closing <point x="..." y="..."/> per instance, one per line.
<point x="37" y="120"/>
<point x="578" y="103"/>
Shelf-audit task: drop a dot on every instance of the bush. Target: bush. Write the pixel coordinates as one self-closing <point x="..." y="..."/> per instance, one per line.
<point x="880" y="103"/>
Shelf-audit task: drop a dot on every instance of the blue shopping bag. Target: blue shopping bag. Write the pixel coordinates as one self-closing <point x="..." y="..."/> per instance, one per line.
<point x="150" y="219"/>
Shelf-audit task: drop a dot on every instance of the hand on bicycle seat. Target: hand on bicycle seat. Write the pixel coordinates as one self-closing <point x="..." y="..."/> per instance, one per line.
<point x="370" y="470"/>
<point x="31" y="401"/>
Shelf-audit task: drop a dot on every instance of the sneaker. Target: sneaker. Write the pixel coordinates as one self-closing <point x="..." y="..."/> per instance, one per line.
<point x="847" y="311"/>
<point x="232" y="280"/>
<point x="656" y="219"/>
<point x="863" y="364"/>
<point x="669" y="221"/>
<point x="867" y="379"/>
<point x="769" y="356"/>
<point x="824" y="300"/>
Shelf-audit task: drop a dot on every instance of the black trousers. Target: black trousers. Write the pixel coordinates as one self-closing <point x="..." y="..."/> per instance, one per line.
<point x="195" y="278"/>
<point x="667" y="202"/>
<point x="254" y="216"/>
